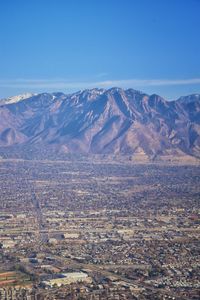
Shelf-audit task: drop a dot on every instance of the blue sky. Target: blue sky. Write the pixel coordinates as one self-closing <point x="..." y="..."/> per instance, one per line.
<point x="68" y="45"/>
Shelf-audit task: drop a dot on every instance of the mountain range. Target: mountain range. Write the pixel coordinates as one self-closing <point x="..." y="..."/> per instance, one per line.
<point x="99" y="121"/>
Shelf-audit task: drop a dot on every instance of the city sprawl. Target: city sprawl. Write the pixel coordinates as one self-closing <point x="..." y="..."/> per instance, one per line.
<point x="100" y="229"/>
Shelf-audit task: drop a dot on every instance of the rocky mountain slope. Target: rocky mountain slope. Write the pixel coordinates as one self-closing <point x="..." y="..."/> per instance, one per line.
<point x="113" y="121"/>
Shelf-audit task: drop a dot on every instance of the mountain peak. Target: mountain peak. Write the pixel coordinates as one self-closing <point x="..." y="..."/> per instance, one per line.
<point x="18" y="98"/>
<point x="115" y="90"/>
<point x="113" y="121"/>
<point x="189" y="98"/>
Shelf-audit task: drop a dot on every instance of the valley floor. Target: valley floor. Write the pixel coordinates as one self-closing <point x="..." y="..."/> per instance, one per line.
<point x="99" y="229"/>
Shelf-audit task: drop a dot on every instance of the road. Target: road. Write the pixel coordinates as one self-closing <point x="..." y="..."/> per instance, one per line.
<point x="43" y="235"/>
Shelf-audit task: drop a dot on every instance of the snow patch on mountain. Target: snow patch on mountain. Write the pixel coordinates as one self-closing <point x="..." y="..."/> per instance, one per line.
<point x="17" y="98"/>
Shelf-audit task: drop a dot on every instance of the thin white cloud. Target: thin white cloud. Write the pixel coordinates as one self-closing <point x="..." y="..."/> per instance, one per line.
<point x="54" y="84"/>
<point x="101" y="75"/>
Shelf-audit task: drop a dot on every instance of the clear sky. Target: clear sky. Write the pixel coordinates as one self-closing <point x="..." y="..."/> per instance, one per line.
<point x="68" y="45"/>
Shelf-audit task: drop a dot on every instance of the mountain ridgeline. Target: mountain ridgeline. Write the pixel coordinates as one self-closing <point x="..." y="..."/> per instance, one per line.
<point x="98" y="121"/>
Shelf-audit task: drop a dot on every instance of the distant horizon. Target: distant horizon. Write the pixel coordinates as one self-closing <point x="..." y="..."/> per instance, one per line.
<point x="74" y="91"/>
